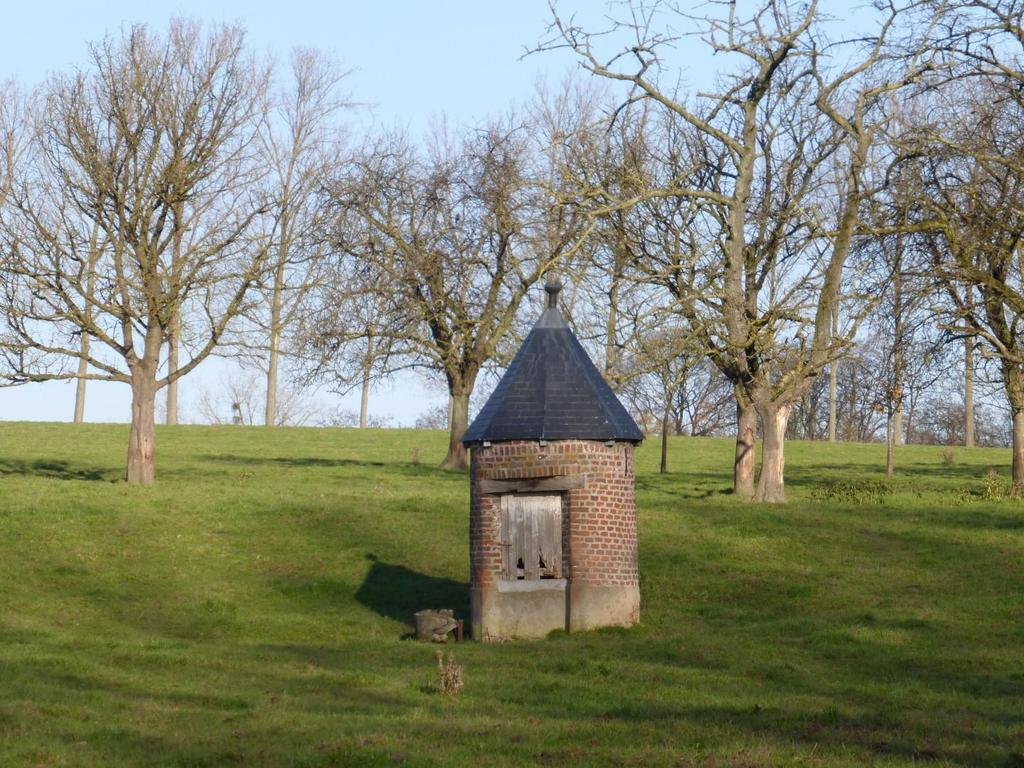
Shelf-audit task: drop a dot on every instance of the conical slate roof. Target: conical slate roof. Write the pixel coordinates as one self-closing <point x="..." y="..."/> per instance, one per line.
<point x="552" y="391"/>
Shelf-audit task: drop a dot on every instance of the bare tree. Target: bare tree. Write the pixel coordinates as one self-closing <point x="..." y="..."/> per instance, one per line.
<point x="13" y="133"/>
<point x="833" y="378"/>
<point x="975" y="153"/>
<point x="458" y="236"/>
<point x="302" y="142"/>
<point x="238" y="400"/>
<point x="15" y="137"/>
<point x="151" y="147"/>
<point x="615" y="159"/>
<point x="860" y="393"/>
<point x="899" y="272"/>
<point x="659" y="365"/>
<point x="433" y="418"/>
<point x="352" y="333"/>
<point x="770" y="132"/>
<point x="97" y="244"/>
<point x="973" y="201"/>
<point x="969" y="375"/>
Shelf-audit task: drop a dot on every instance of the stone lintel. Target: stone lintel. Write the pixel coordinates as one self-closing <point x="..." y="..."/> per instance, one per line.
<point x="532" y="484"/>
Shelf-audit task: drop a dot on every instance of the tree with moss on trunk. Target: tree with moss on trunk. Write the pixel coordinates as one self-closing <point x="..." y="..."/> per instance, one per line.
<point x="149" y="149"/>
<point x="970" y="155"/>
<point x="972" y="206"/>
<point x="789" y="113"/>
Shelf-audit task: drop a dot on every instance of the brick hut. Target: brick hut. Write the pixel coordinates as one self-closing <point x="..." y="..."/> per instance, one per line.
<point x="552" y="513"/>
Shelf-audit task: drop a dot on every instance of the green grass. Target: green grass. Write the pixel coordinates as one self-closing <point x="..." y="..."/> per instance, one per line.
<point x="253" y="608"/>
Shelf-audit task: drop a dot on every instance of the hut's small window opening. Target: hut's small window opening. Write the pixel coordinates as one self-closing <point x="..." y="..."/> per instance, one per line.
<point x="531" y="537"/>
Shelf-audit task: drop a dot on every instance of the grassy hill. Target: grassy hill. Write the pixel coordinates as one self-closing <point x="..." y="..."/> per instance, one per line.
<point x="253" y="608"/>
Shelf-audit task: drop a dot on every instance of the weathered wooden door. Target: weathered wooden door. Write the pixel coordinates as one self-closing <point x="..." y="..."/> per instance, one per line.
<point x="531" y="536"/>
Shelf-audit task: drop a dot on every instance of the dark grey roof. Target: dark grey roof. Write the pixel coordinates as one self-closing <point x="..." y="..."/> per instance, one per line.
<point x="552" y="391"/>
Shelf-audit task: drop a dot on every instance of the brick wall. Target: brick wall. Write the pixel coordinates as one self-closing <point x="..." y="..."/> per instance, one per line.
<point x="598" y="519"/>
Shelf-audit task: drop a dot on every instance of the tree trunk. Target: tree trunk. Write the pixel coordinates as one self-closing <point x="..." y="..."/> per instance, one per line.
<point x="890" y="443"/>
<point x="850" y="428"/>
<point x="771" y="482"/>
<point x="173" y="351"/>
<point x="142" y="439"/>
<point x="894" y="421"/>
<point x="83" y="363"/>
<point x="968" y="392"/>
<point x="666" y="419"/>
<point x="833" y="381"/>
<point x="811" y="418"/>
<point x="611" y="349"/>
<point x="456" y="458"/>
<point x="368" y="361"/>
<point x="833" y="390"/>
<point x="743" y="466"/>
<point x="274" y="340"/>
<point x="83" y="368"/>
<point x="364" y="401"/>
<point x="270" y="408"/>
<point x="1018" y="448"/>
<point x="174" y="324"/>
<point x="1013" y="380"/>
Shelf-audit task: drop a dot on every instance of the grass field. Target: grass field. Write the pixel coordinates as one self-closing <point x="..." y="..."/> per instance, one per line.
<point x="253" y="609"/>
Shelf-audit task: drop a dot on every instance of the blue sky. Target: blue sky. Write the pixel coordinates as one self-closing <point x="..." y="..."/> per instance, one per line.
<point x="411" y="58"/>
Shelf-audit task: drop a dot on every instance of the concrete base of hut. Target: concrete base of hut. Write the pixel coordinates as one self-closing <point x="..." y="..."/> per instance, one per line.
<point x="591" y="606"/>
<point x="533" y="610"/>
<point x="523" y="609"/>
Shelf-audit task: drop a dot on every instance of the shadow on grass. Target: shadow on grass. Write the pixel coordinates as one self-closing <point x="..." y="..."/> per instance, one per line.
<point x="944" y="471"/>
<point x="824" y="694"/>
<point x="874" y="735"/>
<point x="58" y="470"/>
<point x="685" y="484"/>
<point x="646" y="486"/>
<point x="397" y="592"/>
<point x="224" y="720"/>
<point x="300" y="462"/>
<point x="982" y="519"/>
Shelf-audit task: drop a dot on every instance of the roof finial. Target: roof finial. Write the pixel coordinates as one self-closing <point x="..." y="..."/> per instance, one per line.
<point x="553" y="286"/>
